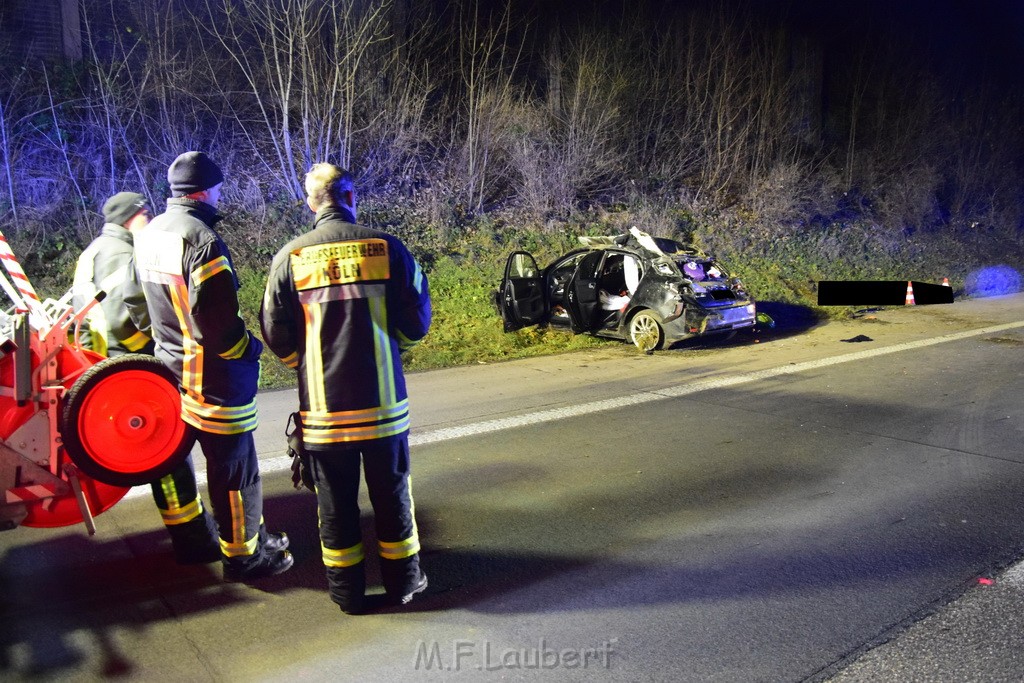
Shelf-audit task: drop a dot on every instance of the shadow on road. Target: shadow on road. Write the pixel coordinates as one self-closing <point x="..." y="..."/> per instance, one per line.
<point x="790" y="319"/>
<point x="71" y="587"/>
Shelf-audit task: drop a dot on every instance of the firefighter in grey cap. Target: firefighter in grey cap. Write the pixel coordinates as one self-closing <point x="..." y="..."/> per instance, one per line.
<point x="104" y="266"/>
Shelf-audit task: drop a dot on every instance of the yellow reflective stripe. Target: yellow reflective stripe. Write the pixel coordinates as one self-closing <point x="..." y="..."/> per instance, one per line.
<point x="412" y="508"/>
<point x="136" y="341"/>
<point x="382" y="350"/>
<point x="180" y="515"/>
<point x="192" y="353"/>
<point x="340" y="435"/>
<point x="401" y="549"/>
<point x="417" y="278"/>
<point x="170" y="491"/>
<point x="237" y="516"/>
<point x="98" y="329"/>
<point x="219" y="419"/>
<point x="201" y="409"/>
<point x="409" y="547"/>
<point x="314" y="361"/>
<point x="291" y="360"/>
<point x="208" y="270"/>
<point x="355" y="425"/>
<point x="343" y="417"/>
<point x="239" y="544"/>
<point x="345" y="557"/>
<point x="217" y="427"/>
<point x="404" y="343"/>
<point x="239" y="549"/>
<point x="238" y="349"/>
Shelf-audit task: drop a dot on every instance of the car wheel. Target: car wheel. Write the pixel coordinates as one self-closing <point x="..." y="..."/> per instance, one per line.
<point x="646" y="332"/>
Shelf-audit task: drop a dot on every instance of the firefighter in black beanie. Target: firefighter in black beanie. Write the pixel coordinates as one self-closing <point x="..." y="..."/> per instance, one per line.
<point x="106" y="265"/>
<point x="191" y="294"/>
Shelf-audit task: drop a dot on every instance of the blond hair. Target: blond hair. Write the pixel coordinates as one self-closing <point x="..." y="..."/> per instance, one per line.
<point x="326" y="183"/>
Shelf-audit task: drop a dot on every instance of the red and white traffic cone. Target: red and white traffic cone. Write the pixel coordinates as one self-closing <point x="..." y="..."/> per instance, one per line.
<point x="910" y="294"/>
<point x="945" y="282"/>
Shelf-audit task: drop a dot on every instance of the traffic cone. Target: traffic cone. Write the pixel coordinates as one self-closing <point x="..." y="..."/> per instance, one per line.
<point x="945" y="282"/>
<point x="910" y="294"/>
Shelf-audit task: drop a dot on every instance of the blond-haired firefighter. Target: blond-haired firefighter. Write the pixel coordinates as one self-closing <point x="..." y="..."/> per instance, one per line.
<point x="342" y="303"/>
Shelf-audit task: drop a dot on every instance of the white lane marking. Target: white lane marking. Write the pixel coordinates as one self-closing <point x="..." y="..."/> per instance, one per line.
<point x="281" y="463"/>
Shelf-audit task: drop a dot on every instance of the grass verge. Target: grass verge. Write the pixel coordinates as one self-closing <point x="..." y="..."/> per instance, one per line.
<point x="464" y="269"/>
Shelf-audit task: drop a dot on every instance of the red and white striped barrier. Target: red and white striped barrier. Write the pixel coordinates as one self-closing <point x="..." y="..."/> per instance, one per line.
<point x="16" y="272"/>
<point x="29" y="494"/>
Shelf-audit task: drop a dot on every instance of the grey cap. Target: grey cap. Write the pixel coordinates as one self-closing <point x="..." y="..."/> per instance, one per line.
<point x="122" y="206"/>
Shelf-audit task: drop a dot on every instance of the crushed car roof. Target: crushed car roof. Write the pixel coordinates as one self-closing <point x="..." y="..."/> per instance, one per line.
<point x="640" y="240"/>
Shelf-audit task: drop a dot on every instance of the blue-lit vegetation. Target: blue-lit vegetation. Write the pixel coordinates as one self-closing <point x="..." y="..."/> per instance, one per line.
<point x="474" y="126"/>
<point x="993" y="281"/>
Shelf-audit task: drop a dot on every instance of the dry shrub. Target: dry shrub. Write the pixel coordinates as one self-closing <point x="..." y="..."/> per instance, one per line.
<point x="778" y="200"/>
<point x="909" y="199"/>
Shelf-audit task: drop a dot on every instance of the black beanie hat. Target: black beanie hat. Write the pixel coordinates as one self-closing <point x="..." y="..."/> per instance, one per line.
<point x="193" y="172"/>
<point x="122" y="206"/>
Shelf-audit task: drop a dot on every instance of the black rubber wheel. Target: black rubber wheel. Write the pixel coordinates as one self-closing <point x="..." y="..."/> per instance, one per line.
<point x="646" y="332"/>
<point x="121" y="422"/>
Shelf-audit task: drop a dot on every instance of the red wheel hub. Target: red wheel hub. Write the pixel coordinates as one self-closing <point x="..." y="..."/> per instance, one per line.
<point x="130" y="421"/>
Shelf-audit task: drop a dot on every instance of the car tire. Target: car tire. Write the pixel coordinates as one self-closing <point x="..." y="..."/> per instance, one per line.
<point x="646" y="331"/>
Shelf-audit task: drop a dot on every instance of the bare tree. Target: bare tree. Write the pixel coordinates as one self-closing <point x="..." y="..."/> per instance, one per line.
<point x="299" y="60"/>
<point x="486" y="67"/>
<point x="7" y="144"/>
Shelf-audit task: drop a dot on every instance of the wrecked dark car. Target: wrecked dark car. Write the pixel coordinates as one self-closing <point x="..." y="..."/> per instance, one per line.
<point x="648" y="290"/>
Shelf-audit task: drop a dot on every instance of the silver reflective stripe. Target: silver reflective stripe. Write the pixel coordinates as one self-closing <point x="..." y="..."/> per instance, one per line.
<point x="112" y="280"/>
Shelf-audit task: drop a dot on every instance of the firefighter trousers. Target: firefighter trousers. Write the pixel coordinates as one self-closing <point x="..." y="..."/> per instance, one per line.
<point x="236" y="495"/>
<point x="190" y="525"/>
<point x="385" y="464"/>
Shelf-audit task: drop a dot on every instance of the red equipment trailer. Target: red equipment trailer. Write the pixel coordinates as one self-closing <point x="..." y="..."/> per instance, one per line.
<point x="77" y="430"/>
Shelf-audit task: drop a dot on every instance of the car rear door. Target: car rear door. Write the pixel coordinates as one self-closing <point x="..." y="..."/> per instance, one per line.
<point x="581" y="293"/>
<point x="521" y="296"/>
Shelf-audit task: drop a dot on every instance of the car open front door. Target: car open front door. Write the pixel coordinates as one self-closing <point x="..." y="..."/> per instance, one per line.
<point x="581" y="293"/>
<point x="521" y="297"/>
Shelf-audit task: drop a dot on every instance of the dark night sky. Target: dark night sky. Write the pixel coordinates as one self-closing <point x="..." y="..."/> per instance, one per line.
<point x="965" y="36"/>
<point x="976" y="34"/>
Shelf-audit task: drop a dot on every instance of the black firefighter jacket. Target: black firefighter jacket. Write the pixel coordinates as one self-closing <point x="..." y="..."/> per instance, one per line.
<point x="192" y="294"/>
<point x="105" y="266"/>
<point x="342" y="302"/>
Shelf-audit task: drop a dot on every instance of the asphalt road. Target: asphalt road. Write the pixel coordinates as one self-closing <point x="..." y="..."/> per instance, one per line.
<point x="751" y="511"/>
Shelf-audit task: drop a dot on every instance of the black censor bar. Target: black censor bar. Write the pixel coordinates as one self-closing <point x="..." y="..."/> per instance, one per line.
<point x="881" y="293"/>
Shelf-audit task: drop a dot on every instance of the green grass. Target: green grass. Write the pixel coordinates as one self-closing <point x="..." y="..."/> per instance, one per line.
<point x="467" y="328"/>
<point x="464" y="268"/>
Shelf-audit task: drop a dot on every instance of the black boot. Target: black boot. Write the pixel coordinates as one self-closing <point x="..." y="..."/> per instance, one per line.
<point x="403" y="579"/>
<point x="347" y="586"/>
<point x="195" y="541"/>
<point x="258" y="566"/>
<point x="272" y="543"/>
